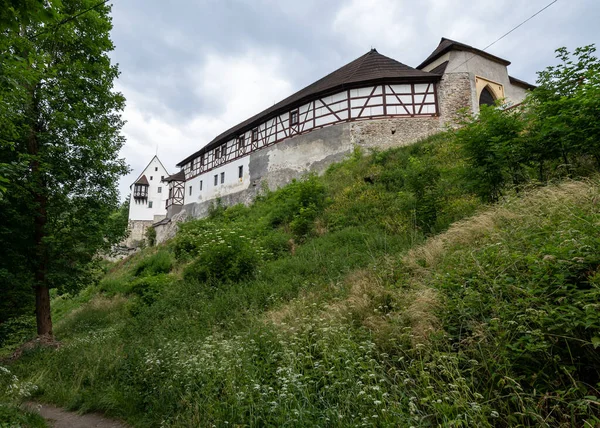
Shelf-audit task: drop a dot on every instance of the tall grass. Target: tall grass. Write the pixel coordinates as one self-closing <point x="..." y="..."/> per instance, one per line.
<point x="340" y="303"/>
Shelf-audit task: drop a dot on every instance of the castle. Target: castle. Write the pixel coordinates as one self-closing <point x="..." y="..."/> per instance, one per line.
<point x="372" y="102"/>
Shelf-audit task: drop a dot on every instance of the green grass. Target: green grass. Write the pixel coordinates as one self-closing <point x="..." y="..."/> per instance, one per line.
<point x="345" y="300"/>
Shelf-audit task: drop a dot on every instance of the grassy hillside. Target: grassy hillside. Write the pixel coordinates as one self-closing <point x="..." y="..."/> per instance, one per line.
<point x="358" y="298"/>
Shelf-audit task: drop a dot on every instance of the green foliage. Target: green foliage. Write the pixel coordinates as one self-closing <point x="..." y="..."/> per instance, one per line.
<point x="221" y="255"/>
<point x="157" y="263"/>
<point x="12" y="391"/>
<point x="554" y="134"/>
<point x="493" y="144"/>
<point x="150" y="236"/>
<point x="521" y="309"/>
<point x="320" y="324"/>
<point x="60" y="133"/>
<point x="17" y="330"/>
<point x="298" y="205"/>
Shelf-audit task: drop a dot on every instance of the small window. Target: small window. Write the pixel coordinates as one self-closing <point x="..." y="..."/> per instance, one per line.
<point x="150" y="204"/>
<point x="223" y="150"/>
<point x="190" y="190"/>
<point x="162" y="177"/>
<point x="240" y="142"/>
<point x="159" y="190"/>
<point x="255" y="135"/>
<point x="217" y="153"/>
<point x="202" y="160"/>
<point x="294" y="117"/>
<point x="155" y="168"/>
<point x="216" y="179"/>
<point x="150" y="177"/>
<point x="200" y="184"/>
<point x="222" y="177"/>
<point x="240" y="171"/>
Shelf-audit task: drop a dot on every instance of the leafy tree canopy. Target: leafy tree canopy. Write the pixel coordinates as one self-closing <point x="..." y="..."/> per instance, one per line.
<point x="60" y="135"/>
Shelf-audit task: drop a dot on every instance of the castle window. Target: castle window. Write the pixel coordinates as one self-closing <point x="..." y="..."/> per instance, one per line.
<point x="218" y="153"/>
<point x="202" y="159"/>
<point x="240" y="171"/>
<point x="294" y="117"/>
<point x="190" y="190"/>
<point x="223" y="150"/>
<point x="150" y="204"/>
<point x="255" y="135"/>
<point x="486" y="98"/>
<point x="155" y="168"/>
<point x="240" y="142"/>
<point x="222" y="177"/>
<point x="200" y="184"/>
<point x="150" y="177"/>
<point x="216" y="179"/>
<point x="162" y="177"/>
<point x="159" y="190"/>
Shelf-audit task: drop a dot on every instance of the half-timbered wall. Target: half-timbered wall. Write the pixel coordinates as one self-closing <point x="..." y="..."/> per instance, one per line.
<point x="380" y="101"/>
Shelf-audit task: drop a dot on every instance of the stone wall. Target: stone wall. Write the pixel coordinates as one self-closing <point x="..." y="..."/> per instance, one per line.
<point x="277" y="165"/>
<point x="454" y="93"/>
<point x="166" y="231"/>
<point x="137" y="232"/>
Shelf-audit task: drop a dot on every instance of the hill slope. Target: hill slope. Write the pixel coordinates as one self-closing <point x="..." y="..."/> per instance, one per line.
<point x="333" y="302"/>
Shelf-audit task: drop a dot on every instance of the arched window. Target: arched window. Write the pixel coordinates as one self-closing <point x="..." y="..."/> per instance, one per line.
<point x="486" y="97"/>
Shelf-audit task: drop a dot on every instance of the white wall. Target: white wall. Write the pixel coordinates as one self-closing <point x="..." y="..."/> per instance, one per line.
<point x="231" y="184"/>
<point x="139" y="209"/>
<point x="475" y="65"/>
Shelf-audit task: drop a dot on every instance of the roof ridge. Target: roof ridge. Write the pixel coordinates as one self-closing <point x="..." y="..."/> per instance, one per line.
<point x="370" y="68"/>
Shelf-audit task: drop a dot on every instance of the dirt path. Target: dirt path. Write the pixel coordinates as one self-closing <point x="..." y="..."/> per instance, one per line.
<point x="59" y="418"/>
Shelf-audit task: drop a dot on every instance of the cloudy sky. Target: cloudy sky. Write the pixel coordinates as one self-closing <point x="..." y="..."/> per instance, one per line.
<point x="190" y="69"/>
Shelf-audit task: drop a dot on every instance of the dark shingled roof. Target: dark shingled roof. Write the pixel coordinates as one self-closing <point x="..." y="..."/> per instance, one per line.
<point x="520" y="82"/>
<point x="372" y="67"/>
<point x="178" y="176"/>
<point x="440" y="69"/>
<point x="447" y="45"/>
<point x="142" y="180"/>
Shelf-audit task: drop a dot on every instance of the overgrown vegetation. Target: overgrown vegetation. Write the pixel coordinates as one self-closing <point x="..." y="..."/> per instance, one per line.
<point x="382" y="293"/>
<point x="554" y="134"/>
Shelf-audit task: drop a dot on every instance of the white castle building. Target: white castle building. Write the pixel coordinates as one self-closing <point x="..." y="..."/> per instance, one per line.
<point x="374" y="101"/>
<point x="147" y="201"/>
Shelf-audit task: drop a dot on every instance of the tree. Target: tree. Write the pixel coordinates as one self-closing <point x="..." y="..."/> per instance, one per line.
<point x="564" y="109"/>
<point x="61" y="134"/>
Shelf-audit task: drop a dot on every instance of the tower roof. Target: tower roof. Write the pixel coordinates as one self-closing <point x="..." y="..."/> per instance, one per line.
<point x="372" y="67"/>
<point x="447" y="45"/>
<point x="142" y="180"/>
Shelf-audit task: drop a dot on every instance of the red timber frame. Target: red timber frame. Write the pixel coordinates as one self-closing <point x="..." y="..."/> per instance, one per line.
<point x="381" y="101"/>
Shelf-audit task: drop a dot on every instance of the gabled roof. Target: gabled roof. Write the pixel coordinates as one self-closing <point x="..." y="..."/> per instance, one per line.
<point x="140" y="176"/>
<point x="178" y="176"/>
<point x="521" y="83"/>
<point x="142" y="180"/>
<point x="440" y="69"/>
<point x="447" y="45"/>
<point x="372" y="67"/>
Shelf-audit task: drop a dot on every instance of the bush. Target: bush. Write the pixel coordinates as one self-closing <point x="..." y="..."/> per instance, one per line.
<point x="17" y="330"/>
<point x="150" y="236"/>
<point x="298" y="204"/>
<point x="224" y="255"/>
<point x="148" y="288"/>
<point x="160" y="262"/>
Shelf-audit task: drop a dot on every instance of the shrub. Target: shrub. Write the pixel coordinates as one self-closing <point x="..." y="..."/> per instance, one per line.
<point x="299" y="203"/>
<point x="159" y="262"/>
<point x="223" y="255"/>
<point x="151" y="236"/>
<point x="17" y="330"/>
<point x="148" y="288"/>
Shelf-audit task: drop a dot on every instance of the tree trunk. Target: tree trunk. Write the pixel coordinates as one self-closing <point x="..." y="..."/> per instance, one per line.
<point x="42" y="310"/>
<point x="42" y="292"/>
